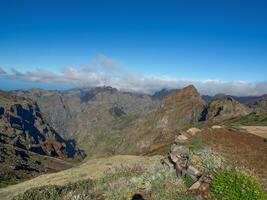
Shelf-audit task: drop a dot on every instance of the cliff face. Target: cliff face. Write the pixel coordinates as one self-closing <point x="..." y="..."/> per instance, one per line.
<point x="24" y="131"/>
<point x="226" y="108"/>
<point x="79" y="113"/>
<point x="261" y="106"/>
<point x="181" y="108"/>
<point x="177" y="111"/>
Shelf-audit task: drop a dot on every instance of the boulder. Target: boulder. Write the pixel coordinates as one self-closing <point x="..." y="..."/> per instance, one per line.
<point x="195" y="186"/>
<point x="198" y="197"/>
<point x="193" y="131"/>
<point x="181" y="139"/>
<point x="193" y="171"/>
<point x="166" y="162"/>
<point x="216" y="126"/>
<point x="179" y="152"/>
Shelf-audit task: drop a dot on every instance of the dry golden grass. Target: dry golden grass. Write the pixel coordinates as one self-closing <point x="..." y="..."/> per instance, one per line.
<point x="92" y="169"/>
<point x="260" y="131"/>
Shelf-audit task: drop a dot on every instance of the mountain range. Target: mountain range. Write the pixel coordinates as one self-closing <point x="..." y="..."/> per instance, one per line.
<point x="49" y="130"/>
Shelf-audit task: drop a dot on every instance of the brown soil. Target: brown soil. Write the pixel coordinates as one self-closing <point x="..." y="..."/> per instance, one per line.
<point x="241" y="148"/>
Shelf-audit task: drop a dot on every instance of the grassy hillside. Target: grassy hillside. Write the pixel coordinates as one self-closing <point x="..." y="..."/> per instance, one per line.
<point x="92" y="169"/>
<point x="248" y="120"/>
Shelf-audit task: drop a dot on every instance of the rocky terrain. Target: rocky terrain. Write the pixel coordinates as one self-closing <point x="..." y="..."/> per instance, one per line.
<point x="26" y="140"/>
<point x="198" y="162"/>
<point x="91" y="116"/>
<point x="105" y="121"/>
<point x="197" y="144"/>
<point x="226" y="108"/>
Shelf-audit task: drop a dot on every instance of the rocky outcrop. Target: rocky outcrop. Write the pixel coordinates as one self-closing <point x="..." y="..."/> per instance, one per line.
<point x="83" y="113"/>
<point x="179" y="159"/>
<point x="24" y="125"/>
<point x="261" y="106"/>
<point x="225" y="108"/>
<point x="181" y="108"/>
<point x="24" y="131"/>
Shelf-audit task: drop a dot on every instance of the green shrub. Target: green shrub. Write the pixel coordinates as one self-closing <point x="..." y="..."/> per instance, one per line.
<point x="6" y="181"/>
<point x="233" y="185"/>
<point x="188" y="181"/>
<point x="196" y="144"/>
<point x="49" y="192"/>
<point x="53" y="192"/>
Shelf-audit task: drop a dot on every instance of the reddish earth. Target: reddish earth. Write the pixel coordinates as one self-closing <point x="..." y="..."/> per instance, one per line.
<point x="241" y="148"/>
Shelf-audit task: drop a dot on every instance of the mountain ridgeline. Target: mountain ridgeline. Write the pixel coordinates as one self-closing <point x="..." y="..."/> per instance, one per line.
<point x="106" y="121"/>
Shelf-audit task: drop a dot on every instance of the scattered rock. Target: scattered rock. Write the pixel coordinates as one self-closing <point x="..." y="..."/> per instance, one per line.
<point x="198" y="197"/>
<point x="179" y="152"/>
<point x="193" y="171"/>
<point x="166" y="162"/>
<point x="193" y="131"/>
<point x="216" y="126"/>
<point x="181" y="139"/>
<point x="204" y="187"/>
<point x="195" y="186"/>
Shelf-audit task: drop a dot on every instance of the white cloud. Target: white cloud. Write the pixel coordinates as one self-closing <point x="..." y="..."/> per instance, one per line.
<point x="2" y="71"/>
<point x="110" y="73"/>
<point x="106" y="62"/>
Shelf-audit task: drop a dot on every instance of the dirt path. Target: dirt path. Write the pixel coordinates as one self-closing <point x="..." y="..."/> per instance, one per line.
<point x="256" y="130"/>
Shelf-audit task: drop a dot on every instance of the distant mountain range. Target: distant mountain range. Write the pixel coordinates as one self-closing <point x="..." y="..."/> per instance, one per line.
<point x="104" y="121"/>
<point x="101" y="119"/>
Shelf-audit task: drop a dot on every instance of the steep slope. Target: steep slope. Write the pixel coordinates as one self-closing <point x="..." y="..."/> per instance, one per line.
<point x="105" y="121"/>
<point x="159" y="95"/>
<point x="72" y="112"/>
<point x="177" y="111"/>
<point x="220" y="109"/>
<point x="25" y="136"/>
<point x="91" y="116"/>
<point x="246" y="100"/>
<point x="261" y="106"/>
<point x="93" y="169"/>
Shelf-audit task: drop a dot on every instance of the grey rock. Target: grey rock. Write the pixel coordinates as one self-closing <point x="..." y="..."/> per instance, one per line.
<point x="195" y="186"/>
<point x="198" y="197"/>
<point x="166" y="162"/>
<point x="193" y="171"/>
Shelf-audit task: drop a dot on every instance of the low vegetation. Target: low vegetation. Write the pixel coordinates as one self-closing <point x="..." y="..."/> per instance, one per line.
<point x="6" y="181"/>
<point x="252" y="119"/>
<point x="120" y="184"/>
<point x="233" y="185"/>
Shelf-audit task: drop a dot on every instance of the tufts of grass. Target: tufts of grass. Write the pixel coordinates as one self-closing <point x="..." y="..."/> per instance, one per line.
<point x="212" y="162"/>
<point x="157" y="183"/>
<point x="252" y="119"/>
<point x="4" y="182"/>
<point x="233" y="185"/>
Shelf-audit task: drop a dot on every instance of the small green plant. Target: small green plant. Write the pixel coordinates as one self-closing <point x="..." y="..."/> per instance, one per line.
<point x="196" y="144"/>
<point x="212" y="161"/>
<point x="233" y="185"/>
<point x="6" y="181"/>
<point x="188" y="181"/>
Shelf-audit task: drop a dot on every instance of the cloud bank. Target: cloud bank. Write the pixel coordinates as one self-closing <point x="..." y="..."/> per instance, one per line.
<point x="106" y="71"/>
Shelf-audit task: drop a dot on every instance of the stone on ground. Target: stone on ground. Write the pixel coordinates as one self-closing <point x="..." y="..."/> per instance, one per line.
<point x="193" y="131"/>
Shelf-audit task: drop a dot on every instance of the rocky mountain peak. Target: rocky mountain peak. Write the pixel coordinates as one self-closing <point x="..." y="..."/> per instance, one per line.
<point x="226" y="108"/>
<point x="184" y="94"/>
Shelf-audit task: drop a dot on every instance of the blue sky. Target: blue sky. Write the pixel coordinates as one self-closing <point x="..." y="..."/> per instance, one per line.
<point x="171" y="42"/>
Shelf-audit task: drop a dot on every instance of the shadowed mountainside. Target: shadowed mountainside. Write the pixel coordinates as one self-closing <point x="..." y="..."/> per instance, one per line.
<point x="25" y="137"/>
